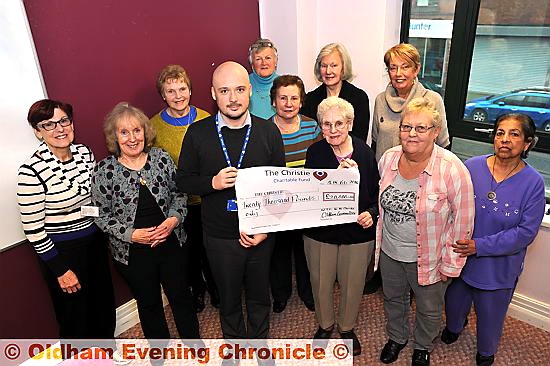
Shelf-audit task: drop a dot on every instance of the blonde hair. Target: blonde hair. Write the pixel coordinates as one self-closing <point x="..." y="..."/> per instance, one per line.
<point x="125" y="110"/>
<point x="344" y="55"/>
<point x="422" y="104"/>
<point x="335" y="102"/>
<point x="406" y="51"/>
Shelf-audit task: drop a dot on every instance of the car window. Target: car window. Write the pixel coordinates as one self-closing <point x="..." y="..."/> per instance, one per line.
<point x="538" y="101"/>
<point x="513" y="100"/>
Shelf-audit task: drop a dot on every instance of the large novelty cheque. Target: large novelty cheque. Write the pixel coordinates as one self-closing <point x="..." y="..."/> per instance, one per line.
<point x="276" y="199"/>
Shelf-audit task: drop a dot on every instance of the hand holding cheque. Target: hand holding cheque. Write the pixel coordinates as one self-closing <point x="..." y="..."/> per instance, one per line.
<point x="273" y="199"/>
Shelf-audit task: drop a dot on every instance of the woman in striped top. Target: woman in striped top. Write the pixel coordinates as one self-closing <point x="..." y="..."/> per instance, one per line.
<point x="298" y="132"/>
<point x="54" y="194"/>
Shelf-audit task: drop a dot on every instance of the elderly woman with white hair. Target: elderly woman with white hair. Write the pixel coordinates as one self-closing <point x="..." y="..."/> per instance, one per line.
<point x="341" y="252"/>
<point x="262" y="56"/>
<point x="333" y="69"/>
<point x="426" y="205"/>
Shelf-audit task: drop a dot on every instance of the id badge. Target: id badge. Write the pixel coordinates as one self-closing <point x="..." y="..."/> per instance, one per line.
<point x="232" y="205"/>
<point x="89" y="211"/>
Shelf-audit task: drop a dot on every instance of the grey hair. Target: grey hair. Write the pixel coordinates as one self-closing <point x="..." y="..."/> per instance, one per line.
<point x="335" y="102"/>
<point x="259" y="45"/>
<point x="344" y="55"/>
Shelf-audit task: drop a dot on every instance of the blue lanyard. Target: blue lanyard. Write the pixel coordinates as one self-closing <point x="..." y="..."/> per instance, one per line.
<point x="224" y="148"/>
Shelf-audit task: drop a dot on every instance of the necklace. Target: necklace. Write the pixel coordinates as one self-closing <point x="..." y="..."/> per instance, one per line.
<point x="133" y="163"/>
<point x="492" y="195"/>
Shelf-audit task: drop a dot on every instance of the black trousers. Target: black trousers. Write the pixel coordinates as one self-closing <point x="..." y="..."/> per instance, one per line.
<point x="149" y="268"/>
<point x="286" y="244"/>
<point x="200" y="274"/>
<point x="235" y="267"/>
<point x="90" y="312"/>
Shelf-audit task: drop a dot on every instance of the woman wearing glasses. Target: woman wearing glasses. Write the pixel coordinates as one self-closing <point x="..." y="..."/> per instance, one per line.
<point x="403" y="65"/>
<point x="341" y="252"/>
<point x="262" y="56"/>
<point x="54" y="200"/>
<point x="426" y="205"/>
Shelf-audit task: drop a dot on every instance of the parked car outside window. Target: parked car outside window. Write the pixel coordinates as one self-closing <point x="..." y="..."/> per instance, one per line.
<point x="534" y="102"/>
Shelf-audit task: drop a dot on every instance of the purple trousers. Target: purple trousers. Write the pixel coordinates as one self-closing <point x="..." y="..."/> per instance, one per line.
<point x="490" y="307"/>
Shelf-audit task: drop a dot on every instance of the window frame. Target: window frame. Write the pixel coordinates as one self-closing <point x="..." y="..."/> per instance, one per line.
<point x="458" y="74"/>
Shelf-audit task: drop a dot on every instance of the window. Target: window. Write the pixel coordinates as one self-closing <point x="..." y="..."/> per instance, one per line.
<point x="491" y="59"/>
<point x="430" y="31"/>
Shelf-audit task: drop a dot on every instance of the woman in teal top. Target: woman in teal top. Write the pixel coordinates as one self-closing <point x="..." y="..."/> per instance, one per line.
<point x="262" y="55"/>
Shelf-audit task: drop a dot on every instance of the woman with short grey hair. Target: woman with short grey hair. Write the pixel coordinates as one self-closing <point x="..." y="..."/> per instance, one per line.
<point x="262" y="56"/>
<point x="341" y="252"/>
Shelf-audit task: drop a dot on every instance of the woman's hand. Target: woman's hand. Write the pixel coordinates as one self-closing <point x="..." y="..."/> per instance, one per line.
<point x="248" y="241"/>
<point x="69" y="282"/>
<point x="465" y="247"/>
<point x="347" y="163"/>
<point x="163" y="231"/>
<point x="144" y="236"/>
<point x="365" y="220"/>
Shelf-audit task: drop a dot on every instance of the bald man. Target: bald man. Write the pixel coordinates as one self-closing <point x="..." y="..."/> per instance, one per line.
<point x="238" y="260"/>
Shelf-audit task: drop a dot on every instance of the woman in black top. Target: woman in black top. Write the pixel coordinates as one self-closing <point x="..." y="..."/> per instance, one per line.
<point x="142" y="211"/>
<point x="342" y="251"/>
<point x="333" y="69"/>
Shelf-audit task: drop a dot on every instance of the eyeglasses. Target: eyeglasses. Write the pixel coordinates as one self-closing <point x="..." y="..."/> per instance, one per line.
<point x="52" y="125"/>
<point x="339" y="125"/>
<point x="418" y="129"/>
<point x="394" y="68"/>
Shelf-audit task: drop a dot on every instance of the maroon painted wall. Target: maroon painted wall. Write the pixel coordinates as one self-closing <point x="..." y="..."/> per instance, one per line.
<point x="94" y="54"/>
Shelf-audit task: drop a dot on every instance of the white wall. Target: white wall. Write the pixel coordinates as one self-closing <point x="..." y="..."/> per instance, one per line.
<point x="534" y="279"/>
<point x="300" y="28"/>
<point x="21" y="87"/>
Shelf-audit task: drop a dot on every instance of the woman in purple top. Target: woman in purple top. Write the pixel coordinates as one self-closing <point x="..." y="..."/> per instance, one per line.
<point x="509" y="197"/>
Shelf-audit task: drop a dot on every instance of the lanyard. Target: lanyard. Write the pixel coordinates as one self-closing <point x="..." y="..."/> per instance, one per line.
<point x="224" y="148"/>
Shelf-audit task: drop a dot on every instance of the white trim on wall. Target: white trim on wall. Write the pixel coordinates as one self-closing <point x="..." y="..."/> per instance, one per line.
<point x="127" y="315"/>
<point x="530" y="311"/>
